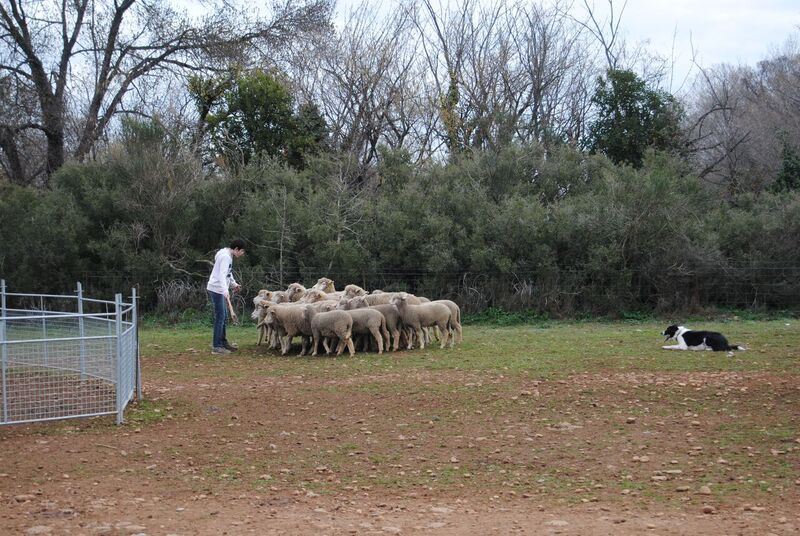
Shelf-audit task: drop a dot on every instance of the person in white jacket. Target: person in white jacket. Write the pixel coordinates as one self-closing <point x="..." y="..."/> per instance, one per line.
<point x="220" y="283"/>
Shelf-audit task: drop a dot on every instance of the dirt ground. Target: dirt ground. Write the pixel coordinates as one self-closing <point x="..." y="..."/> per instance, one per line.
<point x="245" y="445"/>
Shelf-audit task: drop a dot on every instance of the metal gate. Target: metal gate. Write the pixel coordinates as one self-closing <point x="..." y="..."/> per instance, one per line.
<point x="66" y="356"/>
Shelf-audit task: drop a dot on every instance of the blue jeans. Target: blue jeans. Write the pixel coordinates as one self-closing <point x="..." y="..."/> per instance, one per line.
<point x="220" y="315"/>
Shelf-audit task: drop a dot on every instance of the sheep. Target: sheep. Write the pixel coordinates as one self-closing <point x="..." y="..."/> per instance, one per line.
<point x="416" y="317"/>
<point x="296" y="291"/>
<point x="284" y="324"/>
<point x="287" y="321"/>
<point x="455" y="317"/>
<point x="263" y="295"/>
<point x="331" y="324"/>
<point x="351" y="291"/>
<point x="314" y="295"/>
<point x="389" y="312"/>
<point x="259" y="311"/>
<point x="325" y="285"/>
<point x="386" y="297"/>
<point x="382" y="298"/>
<point x="376" y="299"/>
<point x="262" y="301"/>
<point x="368" y="321"/>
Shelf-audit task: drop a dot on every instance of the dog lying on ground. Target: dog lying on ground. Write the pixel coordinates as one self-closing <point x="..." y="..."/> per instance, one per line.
<point x="698" y="340"/>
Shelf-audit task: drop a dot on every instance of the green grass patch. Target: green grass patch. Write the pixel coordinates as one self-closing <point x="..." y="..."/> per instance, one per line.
<point x="145" y="412"/>
<point x="561" y="348"/>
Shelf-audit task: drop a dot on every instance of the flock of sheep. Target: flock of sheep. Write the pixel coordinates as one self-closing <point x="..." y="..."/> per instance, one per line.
<point x="321" y="314"/>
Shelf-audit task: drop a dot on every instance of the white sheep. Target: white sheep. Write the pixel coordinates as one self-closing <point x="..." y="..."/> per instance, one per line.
<point x="416" y="317"/>
<point x="386" y="297"/>
<point x="368" y="321"/>
<point x="351" y="291"/>
<point x="314" y="295"/>
<point x="262" y="301"/>
<point x="296" y="292"/>
<point x="325" y="285"/>
<point x="331" y="324"/>
<point x="455" y="317"/>
<point x="390" y="315"/>
<point x="287" y="321"/>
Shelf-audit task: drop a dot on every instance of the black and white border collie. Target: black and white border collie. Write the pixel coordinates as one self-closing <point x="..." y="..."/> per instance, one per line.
<point x="698" y="340"/>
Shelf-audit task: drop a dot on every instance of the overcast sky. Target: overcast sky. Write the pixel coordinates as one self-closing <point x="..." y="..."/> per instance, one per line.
<point x="721" y="31"/>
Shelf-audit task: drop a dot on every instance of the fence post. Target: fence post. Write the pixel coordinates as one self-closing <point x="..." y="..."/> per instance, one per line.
<point x="135" y="320"/>
<point x="117" y="361"/>
<point x="44" y="330"/>
<point x="81" y="332"/>
<point x="4" y="347"/>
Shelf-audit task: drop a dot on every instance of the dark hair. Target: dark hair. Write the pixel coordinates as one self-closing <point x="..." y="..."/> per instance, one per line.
<point x="237" y="243"/>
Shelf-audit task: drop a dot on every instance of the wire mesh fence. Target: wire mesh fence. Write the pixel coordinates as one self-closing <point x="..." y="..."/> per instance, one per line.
<point x="66" y="356"/>
<point x="757" y="286"/>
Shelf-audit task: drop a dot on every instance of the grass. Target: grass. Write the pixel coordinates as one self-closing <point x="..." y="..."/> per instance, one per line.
<point x="146" y="412"/>
<point x="555" y="350"/>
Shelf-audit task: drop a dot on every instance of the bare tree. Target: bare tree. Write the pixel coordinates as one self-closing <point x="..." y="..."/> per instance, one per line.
<point x="558" y="74"/>
<point x="742" y="118"/>
<point x="500" y="73"/>
<point x="85" y="58"/>
<point x="364" y="75"/>
<point x="369" y="84"/>
<point x="444" y="39"/>
<point x="607" y="31"/>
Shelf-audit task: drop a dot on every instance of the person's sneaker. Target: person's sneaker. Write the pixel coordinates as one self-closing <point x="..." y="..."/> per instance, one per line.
<point x="220" y="350"/>
<point x="231" y="346"/>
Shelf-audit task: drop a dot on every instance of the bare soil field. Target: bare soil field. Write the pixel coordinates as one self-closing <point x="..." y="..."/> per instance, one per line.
<point x="255" y="443"/>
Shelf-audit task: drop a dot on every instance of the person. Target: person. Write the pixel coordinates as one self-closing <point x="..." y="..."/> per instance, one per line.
<point x="220" y="283"/>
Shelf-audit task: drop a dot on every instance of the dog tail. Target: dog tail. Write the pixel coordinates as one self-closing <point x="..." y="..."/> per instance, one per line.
<point x="739" y="347"/>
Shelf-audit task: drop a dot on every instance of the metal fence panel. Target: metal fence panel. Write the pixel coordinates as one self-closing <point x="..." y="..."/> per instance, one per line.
<point x="64" y="363"/>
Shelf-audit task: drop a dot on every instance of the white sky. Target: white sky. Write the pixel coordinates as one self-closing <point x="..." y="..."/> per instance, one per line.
<point x="720" y="31"/>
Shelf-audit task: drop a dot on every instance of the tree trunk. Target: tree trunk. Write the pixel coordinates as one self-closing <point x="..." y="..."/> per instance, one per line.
<point x="15" y="168"/>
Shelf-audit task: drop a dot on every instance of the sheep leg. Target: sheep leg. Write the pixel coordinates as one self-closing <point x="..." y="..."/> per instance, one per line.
<point x="404" y="337"/>
<point x="421" y="336"/>
<point x="261" y="329"/>
<point x="409" y="333"/>
<point x="286" y="344"/>
<point x="349" y="343"/>
<point x="265" y="331"/>
<point x="376" y="334"/>
<point x="427" y="334"/>
<point x="341" y="345"/>
<point x="274" y="339"/>
<point x="385" y="337"/>
<point x="445" y="334"/>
